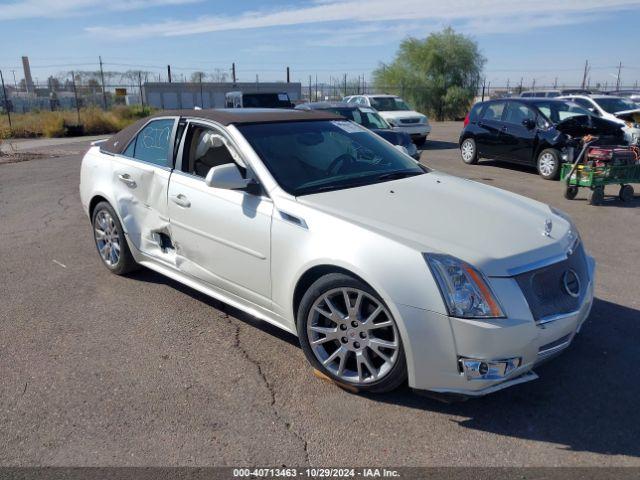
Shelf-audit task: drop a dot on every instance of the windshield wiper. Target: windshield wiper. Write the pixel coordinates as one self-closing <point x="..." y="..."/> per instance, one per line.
<point x="399" y="174"/>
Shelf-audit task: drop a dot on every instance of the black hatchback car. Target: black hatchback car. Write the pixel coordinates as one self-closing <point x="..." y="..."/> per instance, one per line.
<point x="368" y="118"/>
<point x="541" y="132"/>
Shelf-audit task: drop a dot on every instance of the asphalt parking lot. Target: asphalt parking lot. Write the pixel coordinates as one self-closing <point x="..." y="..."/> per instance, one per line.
<point x="97" y="369"/>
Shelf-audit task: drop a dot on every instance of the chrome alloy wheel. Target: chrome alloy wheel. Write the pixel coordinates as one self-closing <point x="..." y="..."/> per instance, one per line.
<point x="353" y="335"/>
<point x="107" y="238"/>
<point x="467" y="151"/>
<point x="547" y="164"/>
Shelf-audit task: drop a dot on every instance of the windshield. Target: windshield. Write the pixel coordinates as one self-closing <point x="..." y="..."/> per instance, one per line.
<point x="558" y="111"/>
<point x="388" y="104"/>
<point x="315" y="156"/>
<point x="366" y="118"/>
<point x="266" y="100"/>
<point x="613" y="105"/>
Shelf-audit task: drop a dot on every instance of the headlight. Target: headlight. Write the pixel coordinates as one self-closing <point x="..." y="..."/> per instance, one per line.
<point x="463" y="288"/>
<point x="424" y="120"/>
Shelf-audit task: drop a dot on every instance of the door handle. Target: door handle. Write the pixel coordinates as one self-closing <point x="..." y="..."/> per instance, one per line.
<point x="127" y="180"/>
<point x="181" y="200"/>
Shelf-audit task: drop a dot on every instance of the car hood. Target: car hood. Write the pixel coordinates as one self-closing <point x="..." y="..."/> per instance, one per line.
<point x="400" y="114"/>
<point x="499" y="232"/>
<point x="588" y="124"/>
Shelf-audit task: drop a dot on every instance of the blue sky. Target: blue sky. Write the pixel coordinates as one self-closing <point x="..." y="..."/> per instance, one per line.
<point x="538" y="40"/>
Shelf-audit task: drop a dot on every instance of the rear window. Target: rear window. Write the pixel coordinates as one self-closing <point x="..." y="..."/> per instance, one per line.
<point x="474" y="114"/>
<point x="493" y="111"/>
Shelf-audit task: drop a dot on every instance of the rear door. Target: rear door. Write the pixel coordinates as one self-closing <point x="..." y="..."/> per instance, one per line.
<point x="140" y="181"/>
<point x="518" y="139"/>
<point x="488" y="138"/>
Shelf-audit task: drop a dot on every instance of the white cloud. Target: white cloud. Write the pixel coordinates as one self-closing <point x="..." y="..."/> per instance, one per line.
<point x="58" y="8"/>
<point x="480" y="13"/>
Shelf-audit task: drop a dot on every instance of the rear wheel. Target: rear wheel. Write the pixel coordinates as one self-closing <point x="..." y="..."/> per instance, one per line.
<point x="468" y="151"/>
<point x="549" y="164"/>
<point x="110" y="240"/>
<point x="348" y="334"/>
<point x="626" y="193"/>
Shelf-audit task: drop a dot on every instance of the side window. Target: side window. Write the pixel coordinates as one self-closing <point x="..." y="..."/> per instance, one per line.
<point x="203" y="150"/>
<point x="493" y="111"/>
<point x="517" y="113"/>
<point x="583" y="103"/>
<point x="153" y="142"/>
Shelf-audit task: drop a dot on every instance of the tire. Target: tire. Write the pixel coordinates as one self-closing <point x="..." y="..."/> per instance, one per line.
<point x="626" y="193"/>
<point x="468" y="151"/>
<point x="350" y="345"/>
<point x="570" y="193"/>
<point x="548" y="164"/>
<point x="420" y="141"/>
<point x="597" y="196"/>
<point x="110" y="240"/>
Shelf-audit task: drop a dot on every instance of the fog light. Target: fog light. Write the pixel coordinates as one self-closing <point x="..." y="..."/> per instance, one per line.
<point x="478" y="369"/>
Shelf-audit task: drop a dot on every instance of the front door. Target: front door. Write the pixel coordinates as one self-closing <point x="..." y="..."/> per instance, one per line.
<point x="519" y="133"/>
<point x="222" y="237"/>
<point x="140" y="180"/>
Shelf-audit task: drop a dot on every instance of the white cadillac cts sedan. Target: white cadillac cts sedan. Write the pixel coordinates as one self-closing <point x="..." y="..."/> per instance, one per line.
<point x="385" y="270"/>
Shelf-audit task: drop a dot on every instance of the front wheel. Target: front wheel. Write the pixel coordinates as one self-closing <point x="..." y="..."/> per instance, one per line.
<point x="549" y="164"/>
<point x="347" y="332"/>
<point x="571" y="192"/>
<point x="110" y="240"/>
<point x="420" y="141"/>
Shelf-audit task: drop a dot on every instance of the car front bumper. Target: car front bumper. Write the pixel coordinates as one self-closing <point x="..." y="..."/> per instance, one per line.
<point x="436" y="346"/>
<point x="415" y="131"/>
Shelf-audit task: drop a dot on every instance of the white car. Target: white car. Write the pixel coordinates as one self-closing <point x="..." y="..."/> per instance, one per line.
<point x="385" y="270"/>
<point x="617" y="109"/>
<point x="397" y="113"/>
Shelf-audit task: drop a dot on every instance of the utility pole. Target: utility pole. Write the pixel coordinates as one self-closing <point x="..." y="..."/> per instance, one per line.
<point x="555" y="83"/>
<point x="15" y="84"/>
<point x="6" y="103"/>
<point x="618" y="80"/>
<point x="310" y="99"/>
<point x="288" y="75"/>
<point x="316" y="88"/>
<point x="104" y="92"/>
<point x="169" y="73"/>
<point x="521" y="83"/>
<point x="483" y="85"/>
<point x="233" y="73"/>
<point x="140" y="86"/>
<point x="584" y="75"/>
<point x="345" y="84"/>
<point x="201" y="97"/>
<point x="75" y="94"/>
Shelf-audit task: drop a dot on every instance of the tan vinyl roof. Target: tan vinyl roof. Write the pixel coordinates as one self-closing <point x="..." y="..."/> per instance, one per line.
<point x="118" y="142"/>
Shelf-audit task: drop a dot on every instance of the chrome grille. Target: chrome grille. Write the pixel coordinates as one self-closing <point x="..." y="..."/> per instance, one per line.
<point x="545" y="288"/>
<point x="410" y="120"/>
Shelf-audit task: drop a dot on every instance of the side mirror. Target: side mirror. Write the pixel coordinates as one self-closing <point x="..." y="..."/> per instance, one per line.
<point x="228" y="177"/>
<point x="402" y="149"/>
<point x="528" y="123"/>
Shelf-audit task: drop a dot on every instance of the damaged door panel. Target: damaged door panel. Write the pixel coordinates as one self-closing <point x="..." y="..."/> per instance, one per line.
<point x="141" y="181"/>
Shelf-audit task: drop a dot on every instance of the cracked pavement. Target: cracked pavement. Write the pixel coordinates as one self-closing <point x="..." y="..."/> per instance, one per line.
<point x="100" y="370"/>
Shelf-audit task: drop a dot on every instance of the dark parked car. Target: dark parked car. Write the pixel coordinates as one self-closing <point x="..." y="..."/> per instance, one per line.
<point x="541" y="132"/>
<point x="368" y="118"/>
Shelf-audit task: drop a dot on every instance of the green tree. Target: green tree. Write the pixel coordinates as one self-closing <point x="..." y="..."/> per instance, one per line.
<point x="439" y="74"/>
